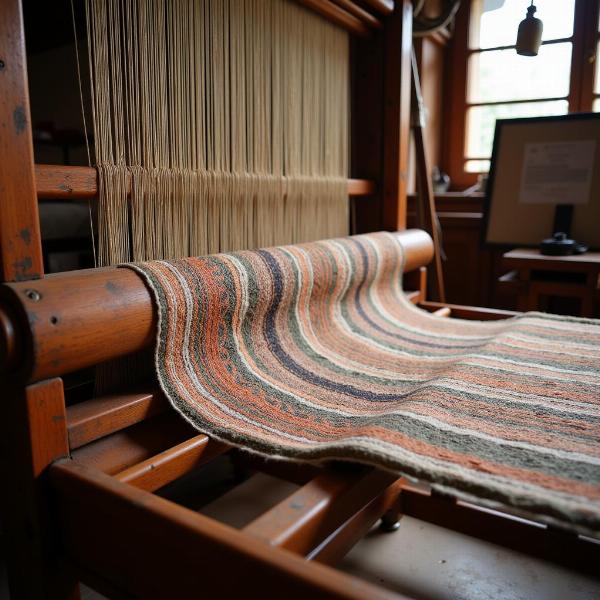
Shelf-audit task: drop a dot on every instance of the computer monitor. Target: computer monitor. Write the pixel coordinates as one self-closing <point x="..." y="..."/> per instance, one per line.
<point x="544" y="177"/>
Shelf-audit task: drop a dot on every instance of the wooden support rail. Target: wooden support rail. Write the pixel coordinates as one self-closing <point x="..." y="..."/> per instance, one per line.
<point x="74" y="320"/>
<point x="99" y="417"/>
<point x="309" y="516"/>
<point x="476" y="313"/>
<point x="156" y="472"/>
<point x="506" y="530"/>
<point x="343" y="539"/>
<point x="139" y="443"/>
<point x="57" y="182"/>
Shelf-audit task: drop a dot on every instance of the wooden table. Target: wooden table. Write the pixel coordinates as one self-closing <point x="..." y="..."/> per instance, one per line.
<point x="534" y="275"/>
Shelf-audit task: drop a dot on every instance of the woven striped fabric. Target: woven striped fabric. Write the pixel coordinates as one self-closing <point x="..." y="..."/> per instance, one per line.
<point x="312" y="352"/>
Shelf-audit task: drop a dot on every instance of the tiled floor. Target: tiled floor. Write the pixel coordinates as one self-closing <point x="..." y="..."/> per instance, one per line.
<point x="420" y="560"/>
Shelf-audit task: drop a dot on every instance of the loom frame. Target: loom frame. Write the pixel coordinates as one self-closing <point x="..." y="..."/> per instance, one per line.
<point x="79" y="504"/>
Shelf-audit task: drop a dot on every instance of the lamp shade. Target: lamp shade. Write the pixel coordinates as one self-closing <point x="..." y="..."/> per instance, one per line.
<point x="529" y="36"/>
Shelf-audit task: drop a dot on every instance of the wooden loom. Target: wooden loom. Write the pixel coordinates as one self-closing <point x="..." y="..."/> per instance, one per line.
<point x="79" y="501"/>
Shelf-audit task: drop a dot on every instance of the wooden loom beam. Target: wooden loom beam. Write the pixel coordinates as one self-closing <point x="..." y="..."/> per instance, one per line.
<point x="58" y="182"/>
<point x="78" y="319"/>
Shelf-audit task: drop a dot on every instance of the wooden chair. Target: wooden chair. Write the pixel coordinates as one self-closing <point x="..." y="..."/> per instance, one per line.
<point x="84" y="495"/>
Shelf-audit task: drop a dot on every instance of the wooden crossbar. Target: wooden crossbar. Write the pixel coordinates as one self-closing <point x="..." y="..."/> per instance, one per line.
<point x="99" y="417"/>
<point x="128" y="447"/>
<point x="469" y="312"/>
<point x="344" y="538"/>
<point x="59" y="182"/>
<point x="158" y="471"/>
<point x="310" y="515"/>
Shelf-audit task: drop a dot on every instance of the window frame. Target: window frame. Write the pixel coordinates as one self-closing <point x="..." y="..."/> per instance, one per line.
<point x="581" y="95"/>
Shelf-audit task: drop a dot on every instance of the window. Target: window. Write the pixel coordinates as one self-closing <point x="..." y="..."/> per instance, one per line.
<point x="490" y="81"/>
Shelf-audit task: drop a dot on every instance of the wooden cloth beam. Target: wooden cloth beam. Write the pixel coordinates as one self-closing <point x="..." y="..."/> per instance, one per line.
<point x="74" y="320"/>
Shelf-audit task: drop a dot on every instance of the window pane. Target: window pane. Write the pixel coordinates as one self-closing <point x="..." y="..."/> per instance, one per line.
<point x="504" y="75"/>
<point x="495" y="22"/>
<point x="481" y="121"/>
<point x="596" y="105"/>
<point x="477" y="166"/>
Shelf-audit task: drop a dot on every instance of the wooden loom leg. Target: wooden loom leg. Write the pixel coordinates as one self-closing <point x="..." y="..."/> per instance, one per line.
<point x="35" y="435"/>
<point x="390" y="520"/>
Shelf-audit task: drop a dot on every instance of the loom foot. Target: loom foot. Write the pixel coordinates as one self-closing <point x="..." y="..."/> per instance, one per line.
<point x="390" y="521"/>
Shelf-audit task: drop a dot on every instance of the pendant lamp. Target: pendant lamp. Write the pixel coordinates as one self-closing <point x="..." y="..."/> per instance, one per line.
<point x="529" y="36"/>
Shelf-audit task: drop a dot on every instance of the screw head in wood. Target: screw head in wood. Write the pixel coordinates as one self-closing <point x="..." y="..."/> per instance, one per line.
<point x="33" y="295"/>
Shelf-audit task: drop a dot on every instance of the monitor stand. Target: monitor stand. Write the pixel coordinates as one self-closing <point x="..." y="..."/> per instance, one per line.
<point x="560" y="243"/>
<point x="563" y="216"/>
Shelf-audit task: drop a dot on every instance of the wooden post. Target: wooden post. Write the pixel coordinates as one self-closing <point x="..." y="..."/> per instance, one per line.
<point x="20" y="240"/>
<point x="34" y="431"/>
<point x="397" y="84"/>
